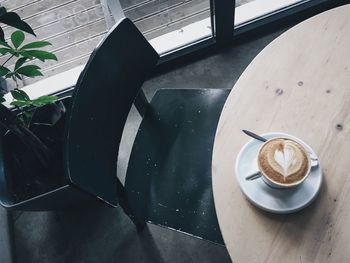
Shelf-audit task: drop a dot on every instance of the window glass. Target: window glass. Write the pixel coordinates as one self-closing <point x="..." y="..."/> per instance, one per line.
<point x="248" y="10"/>
<point x="170" y="24"/>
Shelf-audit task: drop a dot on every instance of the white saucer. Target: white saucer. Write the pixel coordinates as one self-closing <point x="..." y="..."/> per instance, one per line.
<point x="279" y="201"/>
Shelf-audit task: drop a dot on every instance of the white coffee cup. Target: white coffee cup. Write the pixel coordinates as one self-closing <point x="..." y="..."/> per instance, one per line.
<point x="312" y="162"/>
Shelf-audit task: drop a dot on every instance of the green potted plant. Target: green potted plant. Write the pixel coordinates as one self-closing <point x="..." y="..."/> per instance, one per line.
<point x="31" y="130"/>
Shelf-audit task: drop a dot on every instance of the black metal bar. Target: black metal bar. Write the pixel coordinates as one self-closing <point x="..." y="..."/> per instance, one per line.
<point x="141" y="103"/>
<point x="11" y="236"/>
<point x="223" y="20"/>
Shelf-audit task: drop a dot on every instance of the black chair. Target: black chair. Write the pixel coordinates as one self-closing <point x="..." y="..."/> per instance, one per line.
<point x="168" y="180"/>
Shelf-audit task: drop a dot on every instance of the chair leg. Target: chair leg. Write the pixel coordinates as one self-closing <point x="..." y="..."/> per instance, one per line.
<point x="11" y="237"/>
<point x="140" y="224"/>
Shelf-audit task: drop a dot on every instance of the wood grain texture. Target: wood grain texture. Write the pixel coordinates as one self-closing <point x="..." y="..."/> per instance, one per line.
<point x="299" y="84"/>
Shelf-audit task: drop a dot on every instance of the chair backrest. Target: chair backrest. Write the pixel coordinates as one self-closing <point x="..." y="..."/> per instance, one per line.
<point x="100" y="105"/>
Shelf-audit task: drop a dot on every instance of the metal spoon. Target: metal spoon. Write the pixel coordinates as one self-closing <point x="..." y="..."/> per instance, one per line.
<point x="255" y="136"/>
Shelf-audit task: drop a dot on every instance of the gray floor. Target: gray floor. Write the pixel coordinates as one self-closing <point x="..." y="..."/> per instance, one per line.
<point x="95" y="233"/>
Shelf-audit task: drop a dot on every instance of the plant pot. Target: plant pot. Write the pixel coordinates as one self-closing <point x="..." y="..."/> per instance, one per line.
<point x="25" y="184"/>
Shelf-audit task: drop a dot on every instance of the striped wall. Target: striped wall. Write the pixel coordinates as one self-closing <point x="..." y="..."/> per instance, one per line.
<point x="74" y="27"/>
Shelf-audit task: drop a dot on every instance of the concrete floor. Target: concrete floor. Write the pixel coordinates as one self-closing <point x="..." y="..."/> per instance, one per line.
<point x="95" y="233"/>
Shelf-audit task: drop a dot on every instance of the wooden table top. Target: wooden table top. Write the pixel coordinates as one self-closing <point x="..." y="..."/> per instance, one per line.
<point x="299" y="84"/>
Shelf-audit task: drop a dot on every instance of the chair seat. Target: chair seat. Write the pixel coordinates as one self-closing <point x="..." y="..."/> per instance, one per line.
<point x="168" y="180"/>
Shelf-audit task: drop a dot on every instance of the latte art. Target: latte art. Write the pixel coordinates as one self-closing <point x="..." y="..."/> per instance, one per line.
<point x="288" y="159"/>
<point x="283" y="161"/>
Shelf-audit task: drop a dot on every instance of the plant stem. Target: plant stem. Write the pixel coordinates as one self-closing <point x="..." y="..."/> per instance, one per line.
<point x="27" y="137"/>
<point x="7" y="60"/>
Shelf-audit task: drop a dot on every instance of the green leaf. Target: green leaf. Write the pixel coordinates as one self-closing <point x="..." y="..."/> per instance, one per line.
<point x="12" y="19"/>
<point x="23" y="93"/>
<point x="17" y="38"/>
<point x="8" y="75"/>
<point x="44" y="100"/>
<point x="4" y="71"/>
<point x="36" y="44"/>
<point x="5" y="51"/>
<point x="20" y="103"/>
<point x="24" y="53"/>
<point x="2" y="99"/>
<point x="20" y="62"/>
<point x="3" y="43"/>
<point x="18" y="76"/>
<point x="29" y="71"/>
<point x="40" y="54"/>
<point x="18" y="94"/>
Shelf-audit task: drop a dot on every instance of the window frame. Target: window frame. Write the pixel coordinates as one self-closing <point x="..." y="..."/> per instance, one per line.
<point x="225" y="33"/>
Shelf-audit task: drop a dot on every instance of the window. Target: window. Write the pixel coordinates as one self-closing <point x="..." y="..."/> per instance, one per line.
<point x="250" y="14"/>
<point x="168" y="24"/>
<point x="175" y="28"/>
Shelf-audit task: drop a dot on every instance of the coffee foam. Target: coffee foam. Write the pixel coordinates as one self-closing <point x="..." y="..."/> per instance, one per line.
<point x="283" y="161"/>
<point x="287" y="160"/>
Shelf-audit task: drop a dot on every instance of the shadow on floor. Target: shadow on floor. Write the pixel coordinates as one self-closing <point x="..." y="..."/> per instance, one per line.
<point x="96" y="233"/>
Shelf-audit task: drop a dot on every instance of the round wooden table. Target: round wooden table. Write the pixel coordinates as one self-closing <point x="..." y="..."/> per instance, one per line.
<point x="299" y="84"/>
